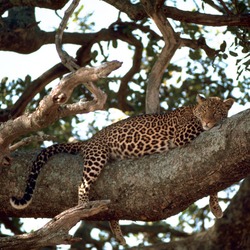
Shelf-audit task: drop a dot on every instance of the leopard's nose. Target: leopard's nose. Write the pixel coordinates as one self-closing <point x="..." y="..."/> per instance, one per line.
<point x="208" y="125"/>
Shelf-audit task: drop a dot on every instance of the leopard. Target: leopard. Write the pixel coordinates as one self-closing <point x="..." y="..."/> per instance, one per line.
<point x="134" y="137"/>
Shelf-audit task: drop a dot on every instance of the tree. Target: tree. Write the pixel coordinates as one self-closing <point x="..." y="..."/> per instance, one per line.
<point x="152" y="71"/>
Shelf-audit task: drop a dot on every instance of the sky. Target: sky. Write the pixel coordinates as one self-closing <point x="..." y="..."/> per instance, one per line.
<point x="14" y="65"/>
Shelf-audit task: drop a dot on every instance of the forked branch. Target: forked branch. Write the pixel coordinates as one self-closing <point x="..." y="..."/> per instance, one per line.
<point x="53" y="107"/>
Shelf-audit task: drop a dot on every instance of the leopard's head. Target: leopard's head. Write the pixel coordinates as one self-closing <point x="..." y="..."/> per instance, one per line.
<point x="212" y="110"/>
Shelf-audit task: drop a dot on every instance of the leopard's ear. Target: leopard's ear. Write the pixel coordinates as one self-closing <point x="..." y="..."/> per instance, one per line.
<point x="200" y="99"/>
<point x="229" y="103"/>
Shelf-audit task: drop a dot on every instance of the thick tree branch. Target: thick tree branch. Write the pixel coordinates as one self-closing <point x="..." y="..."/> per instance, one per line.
<point x="150" y="188"/>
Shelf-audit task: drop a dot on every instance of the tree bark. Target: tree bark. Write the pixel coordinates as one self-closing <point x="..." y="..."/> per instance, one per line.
<point x="151" y="188"/>
<point x="229" y="232"/>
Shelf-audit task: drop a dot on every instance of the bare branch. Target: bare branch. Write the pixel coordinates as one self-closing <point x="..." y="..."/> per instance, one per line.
<point x="227" y="10"/>
<point x="56" y="231"/>
<point x="214" y="5"/>
<point x="67" y="60"/>
<point x="50" y="108"/>
<point x="199" y="44"/>
<point x="30" y="139"/>
<point x="172" y="43"/>
<point x="123" y="90"/>
<point x="206" y="19"/>
<point x="35" y="87"/>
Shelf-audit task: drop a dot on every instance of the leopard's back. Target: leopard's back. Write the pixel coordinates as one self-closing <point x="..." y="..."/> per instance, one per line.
<point x="149" y="134"/>
<point x="155" y="133"/>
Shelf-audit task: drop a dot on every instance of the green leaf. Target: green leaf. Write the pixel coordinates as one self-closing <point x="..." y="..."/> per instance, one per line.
<point x="232" y="53"/>
<point x="114" y="43"/>
<point x="223" y="46"/>
<point x="225" y="56"/>
<point x="245" y="50"/>
<point x="195" y="55"/>
<point x="241" y="7"/>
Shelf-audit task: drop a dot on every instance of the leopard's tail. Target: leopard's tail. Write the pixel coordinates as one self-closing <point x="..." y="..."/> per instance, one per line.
<point x="42" y="158"/>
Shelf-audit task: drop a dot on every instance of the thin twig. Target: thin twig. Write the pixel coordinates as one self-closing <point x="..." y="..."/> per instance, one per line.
<point x="66" y="59"/>
<point x="30" y="139"/>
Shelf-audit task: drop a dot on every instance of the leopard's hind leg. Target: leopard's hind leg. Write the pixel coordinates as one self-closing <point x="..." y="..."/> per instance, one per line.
<point x="93" y="165"/>
<point x="215" y="206"/>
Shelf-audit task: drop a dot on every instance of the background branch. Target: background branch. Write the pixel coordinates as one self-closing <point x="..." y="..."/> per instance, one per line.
<point x="199" y="44"/>
<point x="172" y="43"/>
<point x="30" y="139"/>
<point x="137" y="12"/>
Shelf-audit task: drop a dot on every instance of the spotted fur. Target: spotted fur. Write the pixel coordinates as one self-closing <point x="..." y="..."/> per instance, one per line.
<point x="134" y="137"/>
